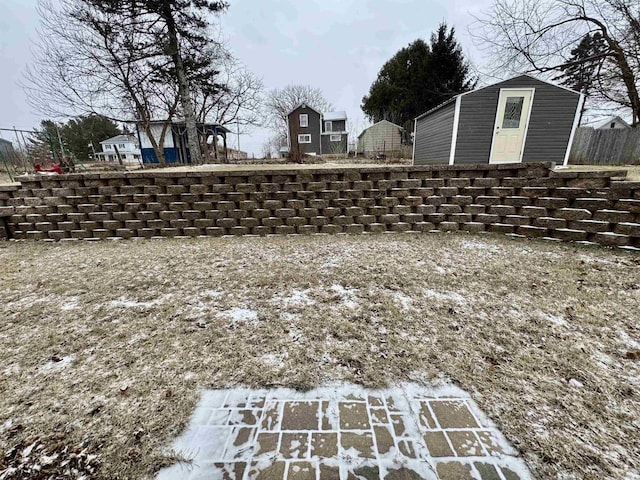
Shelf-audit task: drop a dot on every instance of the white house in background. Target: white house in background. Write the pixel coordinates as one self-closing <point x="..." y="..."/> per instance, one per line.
<point x="612" y="122"/>
<point x="126" y="145"/>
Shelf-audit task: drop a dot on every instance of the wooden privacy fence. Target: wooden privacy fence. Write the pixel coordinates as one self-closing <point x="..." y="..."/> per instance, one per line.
<point x="605" y="147"/>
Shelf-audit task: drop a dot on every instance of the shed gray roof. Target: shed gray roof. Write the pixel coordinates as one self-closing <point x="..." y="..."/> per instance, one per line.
<point x="453" y="99"/>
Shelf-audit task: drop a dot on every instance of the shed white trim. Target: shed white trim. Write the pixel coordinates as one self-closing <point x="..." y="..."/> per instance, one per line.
<point x="415" y="137"/>
<point x="454" y="134"/>
<point x="576" y="120"/>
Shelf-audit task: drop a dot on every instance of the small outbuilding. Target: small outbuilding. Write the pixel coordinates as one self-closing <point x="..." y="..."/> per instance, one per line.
<point x="523" y="119"/>
<point x="383" y="137"/>
<point x="615" y="123"/>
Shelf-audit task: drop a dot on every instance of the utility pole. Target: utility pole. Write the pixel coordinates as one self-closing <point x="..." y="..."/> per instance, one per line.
<point x="94" y="151"/>
<point x="238" y="130"/>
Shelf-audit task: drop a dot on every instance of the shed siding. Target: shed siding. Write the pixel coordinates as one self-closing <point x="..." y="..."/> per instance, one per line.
<point x="433" y="136"/>
<point x="550" y="124"/>
<point x="382" y="137"/>
<point x="313" y="129"/>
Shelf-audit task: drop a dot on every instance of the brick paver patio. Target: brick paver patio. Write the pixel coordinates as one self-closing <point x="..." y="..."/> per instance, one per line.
<point x="345" y="432"/>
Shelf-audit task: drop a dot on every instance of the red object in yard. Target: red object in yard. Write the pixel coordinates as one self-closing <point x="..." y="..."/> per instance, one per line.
<point x="55" y="168"/>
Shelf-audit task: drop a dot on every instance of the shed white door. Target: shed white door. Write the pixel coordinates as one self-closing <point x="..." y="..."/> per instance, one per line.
<point x="512" y="119"/>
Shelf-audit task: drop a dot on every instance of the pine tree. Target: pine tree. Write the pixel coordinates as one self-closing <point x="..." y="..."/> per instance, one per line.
<point x="580" y="72"/>
<point x="449" y="72"/>
<point x="418" y="78"/>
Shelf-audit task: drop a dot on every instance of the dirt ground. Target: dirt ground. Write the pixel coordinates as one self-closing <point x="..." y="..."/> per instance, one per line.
<point x="111" y="342"/>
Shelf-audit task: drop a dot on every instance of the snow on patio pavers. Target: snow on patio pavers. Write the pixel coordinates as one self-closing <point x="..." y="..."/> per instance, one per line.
<point x="344" y="432"/>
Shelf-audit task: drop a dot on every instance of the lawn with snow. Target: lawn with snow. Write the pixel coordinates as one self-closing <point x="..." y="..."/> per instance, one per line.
<point x="112" y="342"/>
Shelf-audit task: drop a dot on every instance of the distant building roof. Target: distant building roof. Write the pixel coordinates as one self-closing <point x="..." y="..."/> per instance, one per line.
<point x="606" y="123"/>
<point x="340" y="115"/>
<point x="121" y="139"/>
<point x="381" y="121"/>
<point x="284" y="149"/>
<point x="305" y="106"/>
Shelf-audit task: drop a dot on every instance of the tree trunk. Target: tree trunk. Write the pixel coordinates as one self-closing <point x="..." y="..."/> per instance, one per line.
<point x="157" y="148"/>
<point x="183" y="89"/>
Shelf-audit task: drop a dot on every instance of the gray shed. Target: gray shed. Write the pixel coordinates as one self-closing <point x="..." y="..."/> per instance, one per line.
<point x="519" y="120"/>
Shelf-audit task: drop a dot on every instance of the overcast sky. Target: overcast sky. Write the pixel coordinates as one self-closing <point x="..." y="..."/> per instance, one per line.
<point x="335" y="45"/>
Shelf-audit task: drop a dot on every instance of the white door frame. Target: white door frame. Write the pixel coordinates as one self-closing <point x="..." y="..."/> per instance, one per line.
<point x="526" y="127"/>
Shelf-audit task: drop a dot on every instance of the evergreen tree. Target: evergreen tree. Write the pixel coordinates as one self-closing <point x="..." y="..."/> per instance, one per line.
<point x="73" y="138"/>
<point x="78" y="133"/>
<point x="580" y="72"/>
<point x="418" y="78"/>
<point x="449" y="72"/>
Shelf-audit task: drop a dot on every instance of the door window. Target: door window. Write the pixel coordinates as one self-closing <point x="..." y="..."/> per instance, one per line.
<point x="512" y="112"/>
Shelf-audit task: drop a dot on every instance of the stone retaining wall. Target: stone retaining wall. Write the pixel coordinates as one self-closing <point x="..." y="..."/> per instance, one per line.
<point x="526" y="199"/>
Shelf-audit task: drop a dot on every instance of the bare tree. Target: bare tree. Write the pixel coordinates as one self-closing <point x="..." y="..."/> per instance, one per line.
<point x="87" y="61"/>
<point x="235" y="98"/>
<point x="538" y="36"/>
<point x="281" y="101"/>
<point x="273" y="145"/>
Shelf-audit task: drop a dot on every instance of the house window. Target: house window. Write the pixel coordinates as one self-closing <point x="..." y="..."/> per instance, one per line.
<point x="121" y="146"/>
<point x="304" y="138"/>
<point x="304" y="120"/>
<point x="613" y="125"/>
<point x="335" y="138"/>
<point x="328" y="126"/>
<point x="107" y="147"/>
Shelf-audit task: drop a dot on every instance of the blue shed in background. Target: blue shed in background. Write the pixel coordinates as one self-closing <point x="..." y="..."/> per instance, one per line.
<point x="176" y="145"/>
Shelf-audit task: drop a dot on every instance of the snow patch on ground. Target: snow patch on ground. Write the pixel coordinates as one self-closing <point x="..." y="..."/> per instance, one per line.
<point x="554" y="319"/>
<point x="298" y="298"/>
<point x="125" y="302"/>
<point x="603" y="358"/>
<point x="70" y="304"/>
<point x="210" y="294"/>
<point x="54" y="366"/>
<point x="348" y="295"/>
<point x="628" y="341"/>
<point x="403" y="300"/>
<point x="444" y="296"/>
<point x="240" y="316"/>
<point x="275" y="359"/>
<point x="478" y="245"/>
<point x="296" y="335"/>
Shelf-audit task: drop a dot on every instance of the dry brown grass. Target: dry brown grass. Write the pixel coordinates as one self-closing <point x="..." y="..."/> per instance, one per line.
<point x="535" y="331"/>
<point x="4" y="178"/>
